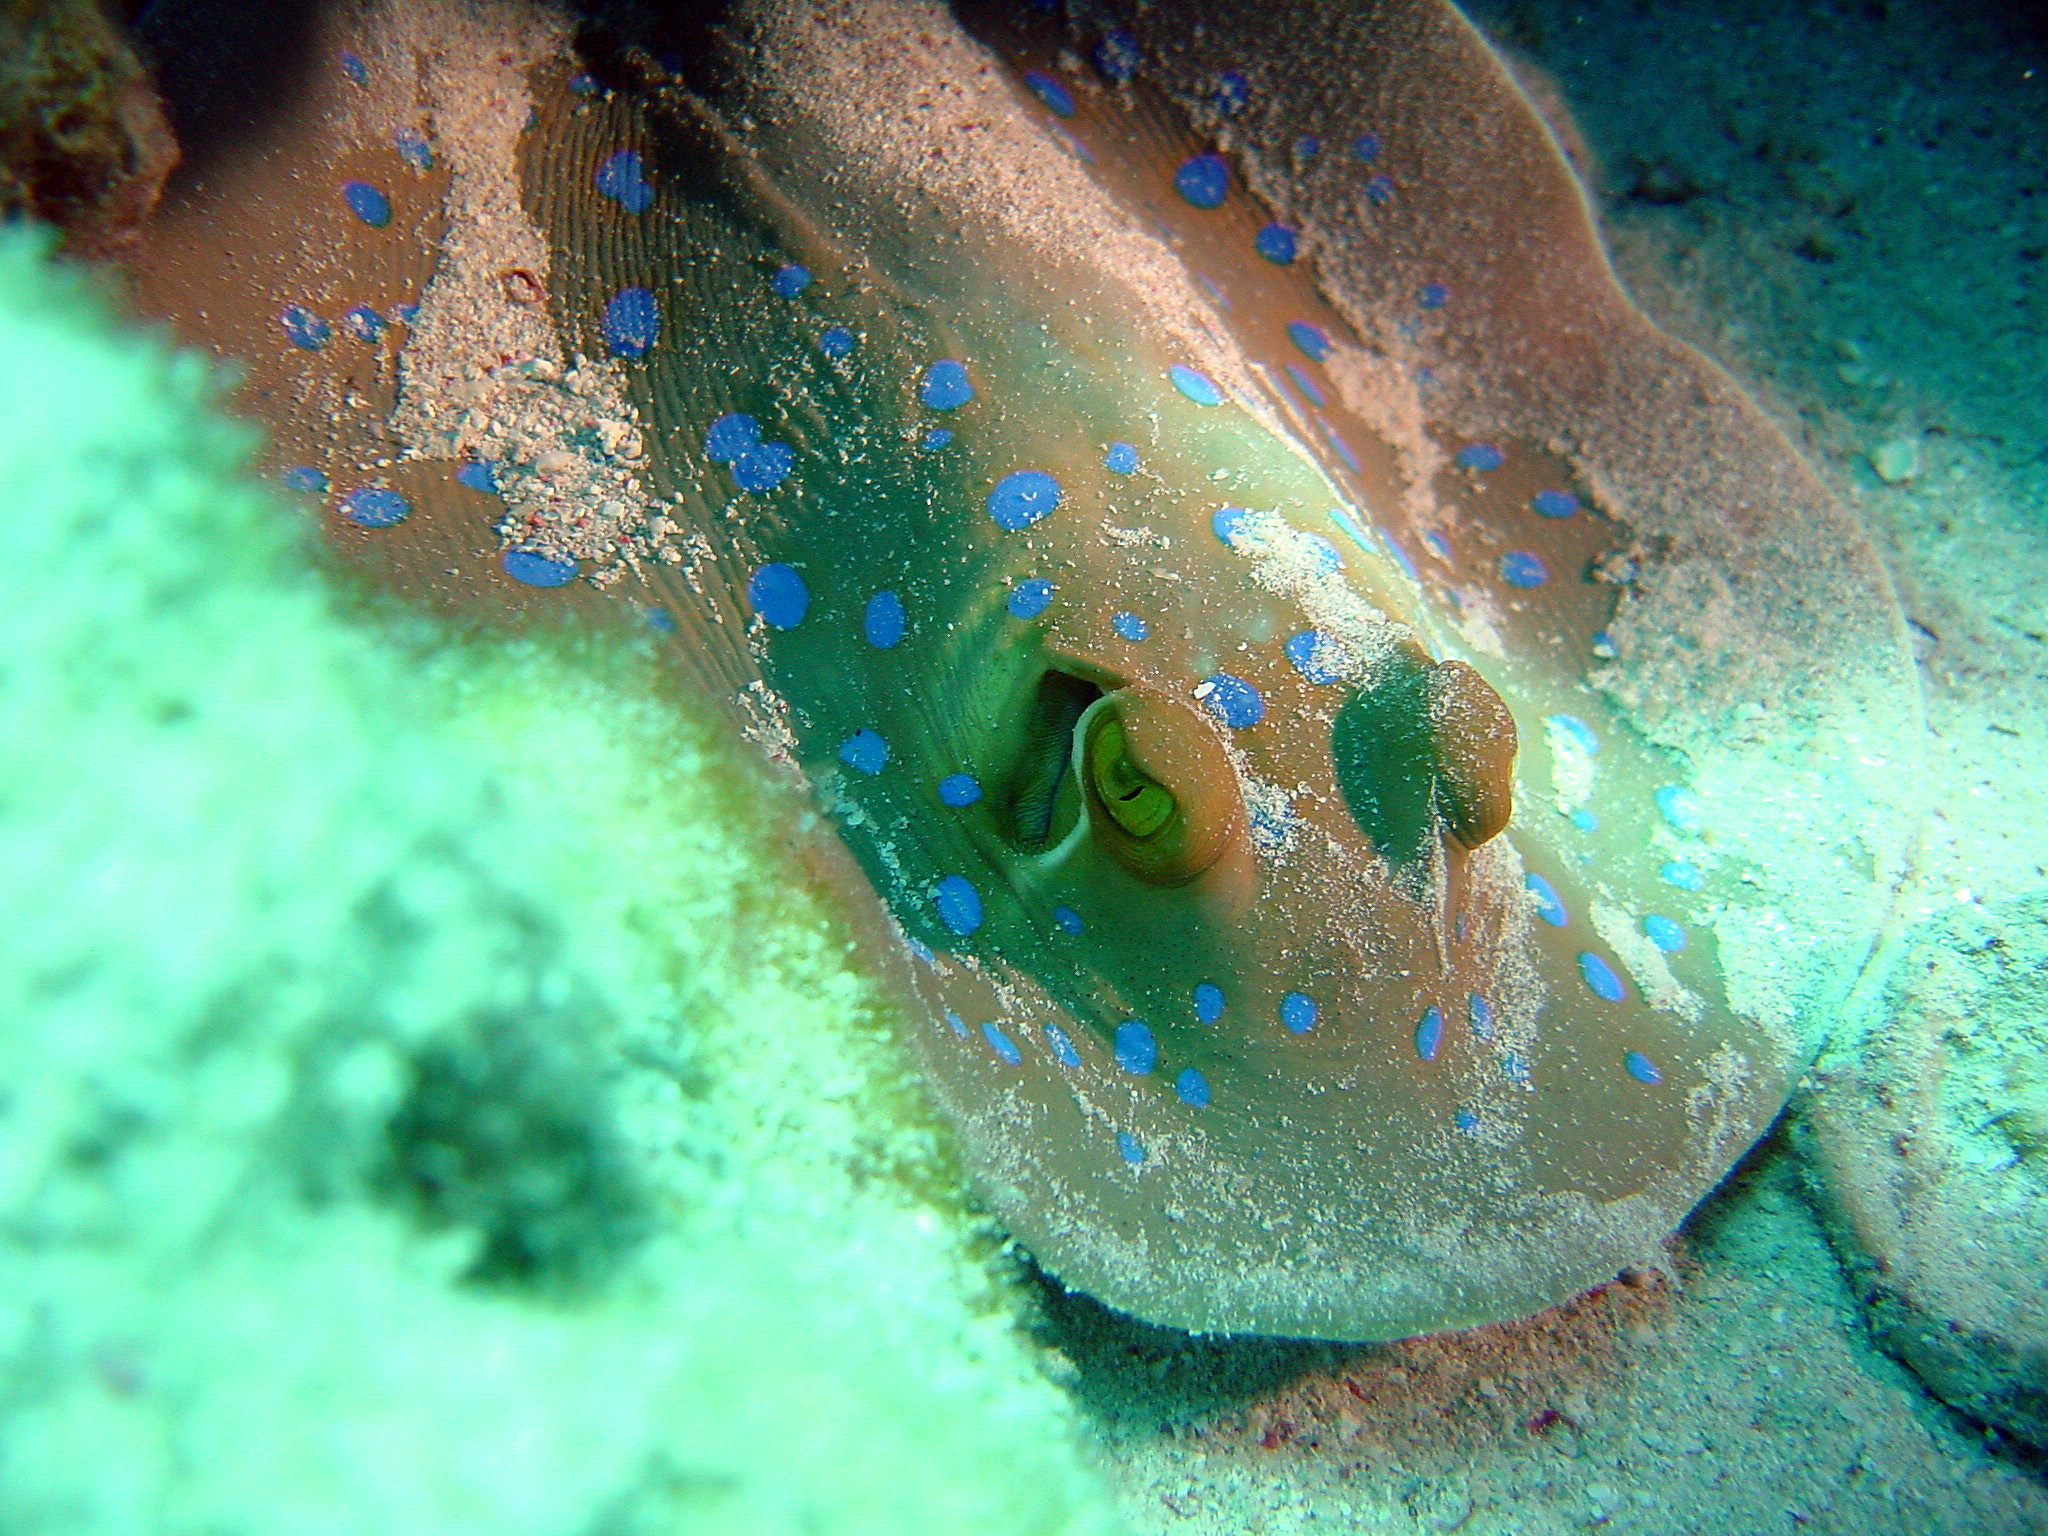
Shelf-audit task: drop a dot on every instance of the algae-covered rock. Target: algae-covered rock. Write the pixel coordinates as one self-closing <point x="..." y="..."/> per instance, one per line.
<point x="1927" y="1149"/>
<point x="428" y="1100"/>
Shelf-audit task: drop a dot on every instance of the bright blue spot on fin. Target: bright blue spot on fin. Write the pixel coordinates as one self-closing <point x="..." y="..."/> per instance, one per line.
<point x="790" y="281"/>
<point x="1275" y="242"/>
<point x="1030" y="597"/>
<point x="883" y="622"/>
<point x="1022" y="498"/>
<point x="1549" y="906"/>
<point x="1136" y="1051"/>
<point x="777" y="593"/>
<point x="532" y="568"/>
<point x="631" y="322"/>
<point x="1129" y="626"/>
<point x="1198" y="387"/>
<point x="1429" y="1032"/>
<point x="303" y="328"/>
<point x="1122" y="459"/>
<point x="1001" y="1044"/>
<point x="1641" y="1068"/>
<point x="866" y="751"/>
<point x="619" y="178"/>
<point x="945" y="386"/>
<point x="1298" y="1012"/>
<point x="1600" y="978"/>
<point x="1231" y="699"/>
<point x="375" y="507"/>
<point x="1193" y="1088"/>
<point x="1203" y="180"/>
<point x="367" y="203"/>
<point x="1667" y="934"/>
<point x="958" y="789"/>
<point x="1050" y="91"/>
<point x="1208" y="1002"/>
<point x="959" y="904"/>
<point x="763" y="468"/>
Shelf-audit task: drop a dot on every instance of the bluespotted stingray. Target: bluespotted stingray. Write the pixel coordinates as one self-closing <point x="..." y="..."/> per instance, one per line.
<point x="1376" y="764"/>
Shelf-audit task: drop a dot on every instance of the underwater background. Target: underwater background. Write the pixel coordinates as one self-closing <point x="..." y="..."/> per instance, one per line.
<point x="443" y="1091"/>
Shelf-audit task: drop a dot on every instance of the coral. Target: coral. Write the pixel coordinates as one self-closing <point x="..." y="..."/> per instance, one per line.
<point x="432" y="1103"/>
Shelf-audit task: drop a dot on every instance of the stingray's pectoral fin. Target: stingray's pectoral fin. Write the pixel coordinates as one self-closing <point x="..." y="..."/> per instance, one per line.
<point x="1425" y="745"/>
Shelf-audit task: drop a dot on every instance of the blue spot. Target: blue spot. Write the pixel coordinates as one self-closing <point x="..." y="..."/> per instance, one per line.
<point x="1584" y="820"/>
<point x="478" y="475"/>
<point x="959" y="904"/>
<point x="790" y="281"/>
<point x="1343" y="518"/>
<point x="619" y="178"/>
<point x="405" y="314"/>
<point x="363" y="323"/>
<point x="583" y="83"/>
<point x="352" y="65"/>
<point x="1204" y="180"/>
<point x="1433" y="296"/>
<point x="1641" y="1068"/>
<point x="531" y="568"/>
<point x="1311" y="340"/>
<point x="1275" y="242"/>
<point x="1307" y="385"/>
<point x="866" y="751"/>
<point x="1232" y="700"/>
<point x="1400" y="555"/>
<point x="1136" y="1051"/>
<point x="1061" y="1044"/>
<point x="1130" y="1148"/>
<point x="1233" y="90"/>
<point x="374" y="507"/>
<point x="1129" y="626"/>
<point x="1030" y="597"/>
<point x="1298" y="1012"/>
<point x="1438" y="544"/>
<point x="778" y="594"/>
<point x="1481" y="458"/>
<point x="763" y="468"/>
<point x="953" y="1020"/>
<point x="1066" y="919"/>
<point x="1122" y="459"/>
<point x="1312" y="653"/>
<point x="1429" y="1032"/>
<point x="1022" y="498"/>
<point x="957" y="789"/>
<point x="1600" y="978"/>
<point x="937" y="438"/>
<point x="304" y="477"/>
<point x="1193" y="1088"/>
<point x="1379" y="189"/>
<point x="883" y="622"/>
<point x="1465" y="1121"/>
<point x="367" y="203"/>
<point x="1366" y="148"/>
<point x="1516" y="1066"/>
<point x="1578" y="730"/>
<point x="414" y="149"/>
<point x="945" y="386"/>
<point x="1603" y="645"/>
<point x="1343" y="448"/>
<point x="1116" y="55"/>
<point x="1001" y="1044"/>
<point x="1678" y="806"/>
<point x="1667" y="934"/>
<point x="631" y="322"/>
<point x="1548" y="906"/>
<point x="1479" y="1016"/>
<point x="1208" y="1002"/>
<point x="1555" y="503"/>
<point x="304" y="328"/>
<point x="836" y="342"/>
<point x="1684" y="874"/>
<point x="1328" y="559"/>
<point x="1307" y="147"/>
<point x="1520" y="568"/>
<point x="659" y="619"/>
<point x="1228" y="523"/>
<point x="923" y="951"/>
<point x="1198" y="387"/>
<point x="1050" y="91"/>
<point x="730" y="436"/>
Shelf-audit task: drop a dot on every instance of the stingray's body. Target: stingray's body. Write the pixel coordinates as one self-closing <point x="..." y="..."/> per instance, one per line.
<point x="1309" y="938"/>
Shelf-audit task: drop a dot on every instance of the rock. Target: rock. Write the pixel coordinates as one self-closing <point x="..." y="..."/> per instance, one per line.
<point x="1896" y="460"/>
<point x="1926" y="1151"/>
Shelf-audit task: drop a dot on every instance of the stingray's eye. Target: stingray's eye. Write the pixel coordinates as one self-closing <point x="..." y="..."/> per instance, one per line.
<point x="1162" y="796"/>
<point x="1142" y="808"/>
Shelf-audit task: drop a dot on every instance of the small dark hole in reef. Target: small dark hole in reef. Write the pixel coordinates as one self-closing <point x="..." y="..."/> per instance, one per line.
<point x="505" y="1131"/>
<point x="1044" y="760"/>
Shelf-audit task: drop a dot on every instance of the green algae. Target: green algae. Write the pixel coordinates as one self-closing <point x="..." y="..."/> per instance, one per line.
<point x="431" y="1102"/>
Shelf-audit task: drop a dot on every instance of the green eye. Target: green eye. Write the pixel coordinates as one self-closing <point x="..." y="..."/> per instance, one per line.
<point x="1133" y="800"/>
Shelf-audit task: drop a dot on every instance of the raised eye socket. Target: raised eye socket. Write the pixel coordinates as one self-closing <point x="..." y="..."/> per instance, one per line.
<point x="1142" y="808"/>
<point x="1162" y="796"/>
